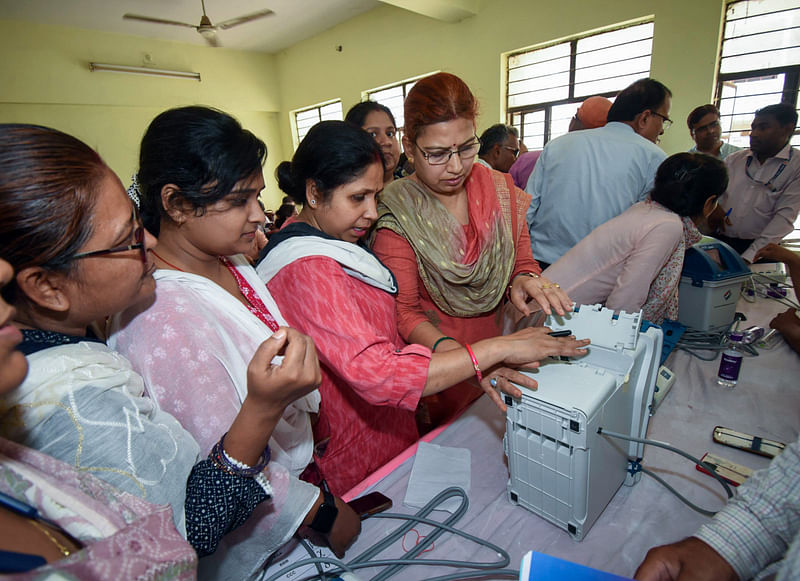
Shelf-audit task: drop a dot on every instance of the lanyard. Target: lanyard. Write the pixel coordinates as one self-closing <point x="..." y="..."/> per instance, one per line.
<point x="770" y="183"/>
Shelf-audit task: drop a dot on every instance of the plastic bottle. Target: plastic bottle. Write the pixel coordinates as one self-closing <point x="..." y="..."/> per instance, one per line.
<point x="731" y="362"/>
<point x="752" y="334"/>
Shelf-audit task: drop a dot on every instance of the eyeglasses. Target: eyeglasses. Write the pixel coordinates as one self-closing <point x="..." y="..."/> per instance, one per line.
<point x="706" y="127"/>
<point x="514" y="150"/>
<point x="441" y="157"/>
<point x="667" y="120"/>
<point x="138" y="238"/>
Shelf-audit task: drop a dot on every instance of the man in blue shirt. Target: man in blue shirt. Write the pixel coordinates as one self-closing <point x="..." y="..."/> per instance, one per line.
<point x="585" y="178"/>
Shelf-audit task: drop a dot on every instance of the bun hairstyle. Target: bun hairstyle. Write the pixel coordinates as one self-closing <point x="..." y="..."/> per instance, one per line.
<point x="48" y="189"/>
<point x="685" y="181"/>
<point x="202" y="151"/>
<point x="435" y="99"/>
<point x="332" y="153"/>
<point x="357" y="115"/>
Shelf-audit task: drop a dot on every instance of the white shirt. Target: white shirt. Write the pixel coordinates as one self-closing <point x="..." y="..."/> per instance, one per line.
<point x="764" y="199"/>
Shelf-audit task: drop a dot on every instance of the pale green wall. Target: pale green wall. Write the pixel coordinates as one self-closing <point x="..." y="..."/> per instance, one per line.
<point x="45" y="79"/>
<point x="388" y="44"/>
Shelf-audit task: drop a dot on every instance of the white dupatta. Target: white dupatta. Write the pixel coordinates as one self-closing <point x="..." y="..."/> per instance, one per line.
<point x="236" y="333"/>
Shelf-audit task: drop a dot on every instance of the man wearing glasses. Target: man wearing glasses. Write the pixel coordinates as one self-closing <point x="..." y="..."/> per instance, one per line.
<point x="705" y="129"/>
<point x="763" y="196"/>
<point x="499" y="147"/>
<point x="585" y="178"/>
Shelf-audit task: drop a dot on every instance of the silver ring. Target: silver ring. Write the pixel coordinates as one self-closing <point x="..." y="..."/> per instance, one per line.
<point x="493" y="381"/>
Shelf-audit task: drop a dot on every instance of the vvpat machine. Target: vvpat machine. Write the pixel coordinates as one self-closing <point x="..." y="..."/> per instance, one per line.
<point x="560" y="467"/>
<point x="711" y="282"/>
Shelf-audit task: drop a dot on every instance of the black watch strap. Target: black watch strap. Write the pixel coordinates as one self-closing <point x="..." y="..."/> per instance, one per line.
<point x="326" y="513"/>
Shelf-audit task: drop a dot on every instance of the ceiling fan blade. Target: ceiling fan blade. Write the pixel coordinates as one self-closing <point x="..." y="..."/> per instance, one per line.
<point x="243" y="19"/>
<point x="156" y="20"/>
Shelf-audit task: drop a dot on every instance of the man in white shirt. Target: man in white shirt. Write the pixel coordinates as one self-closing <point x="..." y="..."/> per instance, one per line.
<point x="763" y="196"/>
<point x="585" y="178"/>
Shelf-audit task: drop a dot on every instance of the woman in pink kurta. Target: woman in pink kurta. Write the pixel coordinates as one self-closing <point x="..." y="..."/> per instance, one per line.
<point x="634" y="261"/>
<point x="330" y="286"/>
<point x="454" y="234"/>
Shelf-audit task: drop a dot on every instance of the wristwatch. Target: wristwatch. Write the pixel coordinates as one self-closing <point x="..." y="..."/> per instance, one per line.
<point x="326" y="513"/>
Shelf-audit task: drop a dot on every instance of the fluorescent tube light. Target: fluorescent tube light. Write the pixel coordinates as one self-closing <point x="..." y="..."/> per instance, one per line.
<point x="144" y="71"/>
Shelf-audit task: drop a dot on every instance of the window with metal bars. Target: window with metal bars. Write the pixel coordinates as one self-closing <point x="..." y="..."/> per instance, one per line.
<point x="545" y="84"/>
<point x="393" y="97"/>
<point x="759" y="63"/>
<point x="305" y="119"/>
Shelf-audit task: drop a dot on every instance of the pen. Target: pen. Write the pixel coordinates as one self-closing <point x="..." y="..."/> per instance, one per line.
<point x="728" y="213"/>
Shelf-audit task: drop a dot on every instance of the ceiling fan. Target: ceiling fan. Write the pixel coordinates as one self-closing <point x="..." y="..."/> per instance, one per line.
<point x="206" y="29"/>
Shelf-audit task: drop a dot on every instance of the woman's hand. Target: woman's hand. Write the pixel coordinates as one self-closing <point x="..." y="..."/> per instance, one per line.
<point x="345" y="530"/>
<point x="500" y="378"/>
<point x="274" y="387"/>
<point x="524" y="349"/>
<point x="542" y="290"/>
<point x="774" y="251"/>
<point x="528" y="346"/>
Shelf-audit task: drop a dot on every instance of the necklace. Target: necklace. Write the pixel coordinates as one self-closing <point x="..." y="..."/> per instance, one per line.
<point x="165" y="262"/>
<point x="61" y="546"/>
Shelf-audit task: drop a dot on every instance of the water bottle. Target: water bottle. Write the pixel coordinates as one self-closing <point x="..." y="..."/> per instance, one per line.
<point x="731" y="362"/>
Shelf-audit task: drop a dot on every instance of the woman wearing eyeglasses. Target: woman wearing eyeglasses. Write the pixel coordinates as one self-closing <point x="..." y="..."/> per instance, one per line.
<point x="80" y="261"/>
<point x="330" y="286"/>
<point x="455" y="236"/>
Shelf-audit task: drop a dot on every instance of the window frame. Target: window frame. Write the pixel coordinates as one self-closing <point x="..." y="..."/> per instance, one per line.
<point x="548" y="106"/>
<point x="318" y="106"/>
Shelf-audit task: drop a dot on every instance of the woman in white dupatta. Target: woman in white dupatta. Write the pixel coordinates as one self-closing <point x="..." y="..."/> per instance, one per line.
<point x="198" y="183"/>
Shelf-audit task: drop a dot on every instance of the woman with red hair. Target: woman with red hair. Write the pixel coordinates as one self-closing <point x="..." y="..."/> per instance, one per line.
<point x="455" y="236"/>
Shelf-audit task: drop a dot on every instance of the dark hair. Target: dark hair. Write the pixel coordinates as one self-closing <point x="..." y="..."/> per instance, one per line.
<point x="641" y="95"/>
<point x="203" y="151"/>
<point x="784" y="113"/>
<point x="332" y="153"/>
<point x="285" y="212"/>
<point x="497" y="134"/>
<point x="698" y="113"/>
<point x="685" y="181"/>
<point x="435" y="99"/>
<point x="357" y="115"/>
<point x="48" y="182"/>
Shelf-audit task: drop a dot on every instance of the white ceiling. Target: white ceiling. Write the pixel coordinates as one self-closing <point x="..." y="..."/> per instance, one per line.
<point x="293" y="21"/>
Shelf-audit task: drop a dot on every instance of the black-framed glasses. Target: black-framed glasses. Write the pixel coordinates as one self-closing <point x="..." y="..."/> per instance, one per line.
<point x="706" y="127"/>
<point x="667" y="120"/>
<point x="514" y="150"/>
<point x="138" y="239"/>
<point x="441" y="157"/>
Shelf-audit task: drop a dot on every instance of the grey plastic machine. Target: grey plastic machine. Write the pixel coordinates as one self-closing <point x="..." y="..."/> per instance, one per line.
<point x="561" y="468"/>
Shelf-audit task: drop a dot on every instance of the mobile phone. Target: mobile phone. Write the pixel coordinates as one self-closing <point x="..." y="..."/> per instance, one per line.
<point x="748" y="443"/>
<point x="369" y="504"/>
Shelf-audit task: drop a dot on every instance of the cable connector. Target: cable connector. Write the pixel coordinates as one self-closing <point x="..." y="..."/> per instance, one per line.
<point x="634" y="466"/>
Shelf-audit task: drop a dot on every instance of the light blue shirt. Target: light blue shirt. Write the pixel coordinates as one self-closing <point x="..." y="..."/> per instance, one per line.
<point x="724" y="151"/>
<point x="583" y="179"/>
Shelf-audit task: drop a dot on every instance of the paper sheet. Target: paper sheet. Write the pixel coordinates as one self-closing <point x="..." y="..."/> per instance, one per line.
<point x="435" y="469"/>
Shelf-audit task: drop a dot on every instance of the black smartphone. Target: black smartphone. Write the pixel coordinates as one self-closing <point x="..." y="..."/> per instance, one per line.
<point x="370" y="504"/>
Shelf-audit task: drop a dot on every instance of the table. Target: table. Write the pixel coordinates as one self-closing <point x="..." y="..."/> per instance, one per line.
<point x="766" y="402"/>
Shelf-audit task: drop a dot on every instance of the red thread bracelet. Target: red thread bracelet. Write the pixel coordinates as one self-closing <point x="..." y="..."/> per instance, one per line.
<point x="478" y="373"/>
